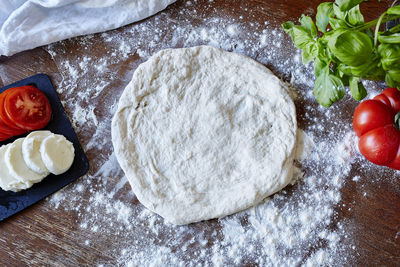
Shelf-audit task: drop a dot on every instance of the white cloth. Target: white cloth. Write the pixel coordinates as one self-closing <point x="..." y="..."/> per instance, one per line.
<point x="26" y="24"/>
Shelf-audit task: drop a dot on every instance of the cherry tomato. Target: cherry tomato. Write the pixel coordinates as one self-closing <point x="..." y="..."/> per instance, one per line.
<point x="27" y="107"/>
<point x="377" y="123"/>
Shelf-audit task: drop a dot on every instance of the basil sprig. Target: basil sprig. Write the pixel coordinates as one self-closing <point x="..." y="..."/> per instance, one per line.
<point x="346" y="49"/>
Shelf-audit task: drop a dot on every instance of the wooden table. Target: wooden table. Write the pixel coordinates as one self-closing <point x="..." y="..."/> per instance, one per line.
<point x="44" y="236"/>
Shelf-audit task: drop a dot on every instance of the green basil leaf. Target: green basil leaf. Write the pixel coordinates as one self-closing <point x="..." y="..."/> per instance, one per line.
<point x="370" y="33"/>
<point x="389" y="82"/>
<point x="389" y="50"/>
<point x="346" y="5"/>
<point x="345" y="79"/>
<point x="339" y="13"/>
<point x="395" y="75"/>
<point x="351" y="47"/>
<point x="391" y="63"/>
<point x="390" y="56"/>
<point x="288" y="27"/>
<point x="337" y="24"/>
<point x="309" y="53"/>
<point x="308" y="24"/>
<point x="324" y="12"/>
<point x="395" y="29"/>
<point x="300" y="36"/>
<point x="346" y="70"/>
<point x="340" y="74"/>
<point x="354" y="16"/>
<point x="370" y="70"/>
<point x="357" y="89"/>
<point x="325" y="53"/>
<point x="375" y="74"/>
<point x="394" y="10"/>
<point x="328" y="88"/>
<point x="360" y="70"/>
<point x="393" y="78"/>
<point x="319" y="66"/>
<point x="390" y="39"/>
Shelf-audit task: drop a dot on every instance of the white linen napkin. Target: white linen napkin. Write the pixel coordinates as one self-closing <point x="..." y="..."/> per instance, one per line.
<point x="26" y="24"/>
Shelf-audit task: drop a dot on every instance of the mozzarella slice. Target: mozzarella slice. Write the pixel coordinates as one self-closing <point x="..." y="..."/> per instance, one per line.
<point x="57" y="153"/>
<point x="31" y="151"/>
<point x="17" y="166"/>
<point x="7" y="181"/>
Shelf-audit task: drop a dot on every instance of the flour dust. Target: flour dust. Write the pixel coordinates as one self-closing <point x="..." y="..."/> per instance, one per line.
<point x="297" y="226"/>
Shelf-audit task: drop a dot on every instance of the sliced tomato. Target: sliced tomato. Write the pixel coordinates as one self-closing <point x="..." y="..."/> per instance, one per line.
<point x="27" y="107"/>
<point x="6" y="130"/>
<point x="4" y="137"/>
<point x="3" y="116"/>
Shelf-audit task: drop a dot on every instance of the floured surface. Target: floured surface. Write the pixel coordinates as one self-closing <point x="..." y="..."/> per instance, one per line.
<point x="306" y="223"/>
<point x="202" y="133"/>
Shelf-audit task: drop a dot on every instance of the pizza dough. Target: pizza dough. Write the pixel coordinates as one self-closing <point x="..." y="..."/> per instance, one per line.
<point x="202" y="133"/>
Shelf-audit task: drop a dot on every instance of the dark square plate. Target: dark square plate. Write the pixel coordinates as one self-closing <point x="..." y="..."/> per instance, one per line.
<point x="10" y="202"/>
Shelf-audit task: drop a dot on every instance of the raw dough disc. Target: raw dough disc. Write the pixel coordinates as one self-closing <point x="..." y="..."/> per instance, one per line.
<point x="202" y="133"/>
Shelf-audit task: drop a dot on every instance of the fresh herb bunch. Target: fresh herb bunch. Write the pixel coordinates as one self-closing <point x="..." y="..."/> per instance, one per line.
<point x="347" y="49"/>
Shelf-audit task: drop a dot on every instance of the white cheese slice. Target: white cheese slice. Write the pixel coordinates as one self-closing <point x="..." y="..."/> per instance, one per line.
<point x="17" y="166"/>
<point x="7" y="181"/>
<point x="31" y="151"/>
<point x="57" y="153"/>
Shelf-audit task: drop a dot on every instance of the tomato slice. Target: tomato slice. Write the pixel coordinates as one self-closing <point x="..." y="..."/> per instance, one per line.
<point x="8" y="131"/>
<point x="27" y="107"/>
<point x="4" y="137"/>
<point x="3" y="116"/>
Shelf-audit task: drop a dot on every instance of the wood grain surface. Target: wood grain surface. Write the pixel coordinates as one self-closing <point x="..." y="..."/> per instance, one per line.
<point x="41" y="236"/>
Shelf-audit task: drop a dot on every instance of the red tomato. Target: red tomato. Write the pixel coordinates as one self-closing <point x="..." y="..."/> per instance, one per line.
<point x="27" y="107"/>
<point x="3" y="116"/>
<point x="377" y="123"/>
<point x="4" y="137"/>
<point x="8" y="131"/>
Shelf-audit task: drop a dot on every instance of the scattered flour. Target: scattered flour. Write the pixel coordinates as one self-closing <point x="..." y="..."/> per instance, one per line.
<point x="297" y="226"/>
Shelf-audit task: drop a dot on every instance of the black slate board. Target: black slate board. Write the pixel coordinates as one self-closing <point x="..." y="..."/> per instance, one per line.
<point x="10" y="202"/>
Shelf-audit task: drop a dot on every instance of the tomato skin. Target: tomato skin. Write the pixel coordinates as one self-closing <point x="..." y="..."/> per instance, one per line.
<point x="3" y="116"/>
<point x="23" y="109"/>
<point x="27" y="107"/>
<point x="371" y="114"/>
<point x="374" y="124"/>
<point x="396" y="162"/>
<point x="4" y="137"/>
<point x="390" y="97"/>
<point x="6" y="130"/>
<point x="380" y="145"/>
